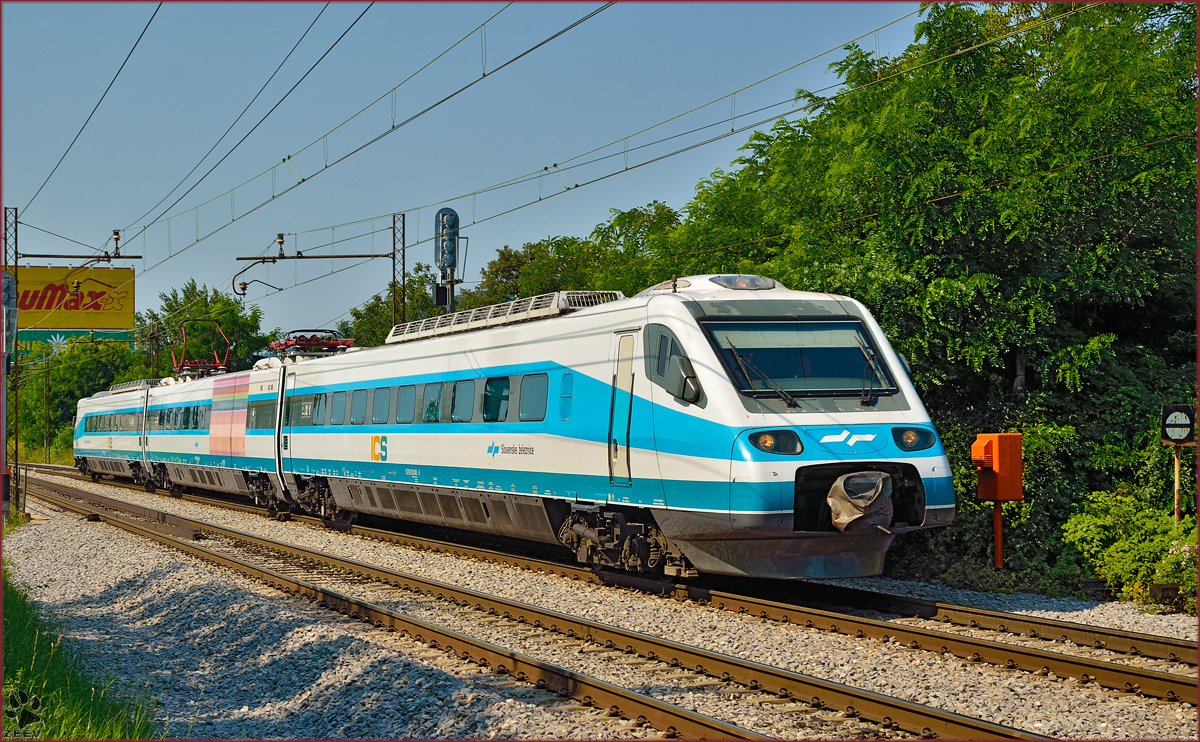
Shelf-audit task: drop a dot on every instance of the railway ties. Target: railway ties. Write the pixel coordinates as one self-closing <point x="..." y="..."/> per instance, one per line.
<point x="948" y="632"/>
<point x="681" y="668"/>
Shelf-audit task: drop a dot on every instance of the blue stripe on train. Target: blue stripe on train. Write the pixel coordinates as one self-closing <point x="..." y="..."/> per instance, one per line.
<point x="685" y="495"/>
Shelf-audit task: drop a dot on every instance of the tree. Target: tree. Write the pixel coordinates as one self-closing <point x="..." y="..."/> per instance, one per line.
<point x="196" y="311"/>
<point x="52" y="384"/>
<point x="370" y="323"/>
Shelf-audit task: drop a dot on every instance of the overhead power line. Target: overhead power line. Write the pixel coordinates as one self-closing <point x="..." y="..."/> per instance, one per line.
<point x="253" y="209"/>
<point x="236" y="120"/>
<point x="264" y="118"/>
<point x="93" y="113"/>
<point x="926" y="60"/>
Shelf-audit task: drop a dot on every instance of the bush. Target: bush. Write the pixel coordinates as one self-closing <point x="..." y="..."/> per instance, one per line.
<point x="1132" y="544"/>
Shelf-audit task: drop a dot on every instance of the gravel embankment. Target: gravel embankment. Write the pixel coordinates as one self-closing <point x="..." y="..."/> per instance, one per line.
<point x="226" y="657"/>
<point x="1047" y="706"/>
<point x="1110" y="614"/>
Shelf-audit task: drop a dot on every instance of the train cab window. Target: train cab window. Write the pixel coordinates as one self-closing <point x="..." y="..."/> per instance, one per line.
<point x="381" y="405"/>
<point x="462" y="409"/>
<point x="431" y="409"/>
<point x="533" y="397"/>
<point x="661" y="347"/>
<point x="406" y="404"/>
<point x="495" y="400"/>
<point x="318" y="409"/>
<point x="358" y="407"/>
<point x="337" y="410"/>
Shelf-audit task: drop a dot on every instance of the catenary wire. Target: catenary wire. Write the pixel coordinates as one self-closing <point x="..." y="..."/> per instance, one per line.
<point x="698" y="144"/>
<point x="59" y="236"/>
<point x="528" y="177"/>
<point x="93" y="113"/>
<point x="301" y="182"/>
<point x="235" y="121"/>
<point x="198" y="240"/>
<point x="264" y="118"/>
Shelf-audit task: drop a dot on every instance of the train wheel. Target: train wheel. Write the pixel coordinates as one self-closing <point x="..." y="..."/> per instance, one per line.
<point x="95" y="477"/>
<point x="149" y="486"/>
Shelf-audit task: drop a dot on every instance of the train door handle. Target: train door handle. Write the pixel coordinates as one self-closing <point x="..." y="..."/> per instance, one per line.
<point x="615" y="449"/>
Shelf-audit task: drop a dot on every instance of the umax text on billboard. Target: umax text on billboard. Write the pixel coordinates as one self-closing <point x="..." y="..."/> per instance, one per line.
<point x="46" y="300"/>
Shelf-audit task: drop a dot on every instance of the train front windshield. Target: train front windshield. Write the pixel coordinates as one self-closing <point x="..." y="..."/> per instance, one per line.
<point x="804" y="358"/>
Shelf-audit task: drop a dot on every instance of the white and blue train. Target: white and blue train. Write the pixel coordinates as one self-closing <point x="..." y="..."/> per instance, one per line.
<point x="716" y="424"/>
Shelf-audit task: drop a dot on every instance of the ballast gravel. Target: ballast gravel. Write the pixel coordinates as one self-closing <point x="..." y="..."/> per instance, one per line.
<point x="223" y="656"/>
<point x="1054" y="707"/>
<point x="1110" y="614"/>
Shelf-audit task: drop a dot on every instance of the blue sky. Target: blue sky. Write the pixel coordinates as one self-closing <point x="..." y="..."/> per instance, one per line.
<point x="199" y="64"/>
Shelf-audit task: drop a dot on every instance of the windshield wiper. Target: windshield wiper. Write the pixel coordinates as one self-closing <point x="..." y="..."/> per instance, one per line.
<point x="744" y="362"/>
<point x="868" y="393"/>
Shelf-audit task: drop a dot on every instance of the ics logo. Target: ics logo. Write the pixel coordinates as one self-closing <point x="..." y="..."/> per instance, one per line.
<point x="379" y="448"/>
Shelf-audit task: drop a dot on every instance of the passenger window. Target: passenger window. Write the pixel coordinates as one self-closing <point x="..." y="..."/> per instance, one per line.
<point x="533" y="397"/>
<point x="381" y="405"/>
<point x="495" y="400"/>
<point x="337" y="410"/>
<point x="318" y="414"/>
<point x="432" y="408"/>
<point x="463" y="408"/>
<point x="406" y="404"/>
<point x="358" y="407"/>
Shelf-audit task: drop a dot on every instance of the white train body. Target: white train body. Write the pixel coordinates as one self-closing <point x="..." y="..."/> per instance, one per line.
<point x="574" y="429"/>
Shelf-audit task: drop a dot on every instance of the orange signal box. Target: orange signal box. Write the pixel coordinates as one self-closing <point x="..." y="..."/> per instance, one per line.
<point x="997" y="459"/>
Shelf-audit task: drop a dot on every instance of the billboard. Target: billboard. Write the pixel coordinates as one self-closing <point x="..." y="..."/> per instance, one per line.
<point x="47" y="299"/>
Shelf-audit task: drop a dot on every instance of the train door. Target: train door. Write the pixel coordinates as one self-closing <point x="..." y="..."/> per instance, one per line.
<point x="620" y="417"/>
<point x="144" y="438"/>
<point x="283" y="455"/>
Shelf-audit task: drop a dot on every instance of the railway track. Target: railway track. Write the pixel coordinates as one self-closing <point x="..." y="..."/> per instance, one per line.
<point x="307" y="572"/>
<point x="1160" y="667"/>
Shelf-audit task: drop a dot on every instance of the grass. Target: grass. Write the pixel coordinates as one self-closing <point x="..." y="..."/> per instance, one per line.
<point x="72" y="706"/>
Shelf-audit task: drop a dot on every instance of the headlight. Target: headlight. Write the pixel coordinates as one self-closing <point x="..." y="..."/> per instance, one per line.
<point x="777" y="441"/>
<point x="913" y="439"/>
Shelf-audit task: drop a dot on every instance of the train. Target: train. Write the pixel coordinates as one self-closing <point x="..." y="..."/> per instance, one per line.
<point x="715" y="424"/>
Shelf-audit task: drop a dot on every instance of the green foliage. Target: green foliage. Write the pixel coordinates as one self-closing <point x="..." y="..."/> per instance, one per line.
<point x="51" y="385"/>
<point x="196" y="311"/>
<point x="69" y="703"/>
<point x="1133" y="544"/>
<point x="1014" y="198"/>
<point x="370" y="323"/>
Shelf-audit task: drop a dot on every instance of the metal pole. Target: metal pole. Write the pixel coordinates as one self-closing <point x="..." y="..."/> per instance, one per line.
<point x="1176" y="483"/>
<point x="403" y="269"/>
<point x="392" y="285"/>
<point x="997" y="524"/>
<point x="46" y="405"/>
<point x="11" y="397"/>
<point x="4" y="408"/>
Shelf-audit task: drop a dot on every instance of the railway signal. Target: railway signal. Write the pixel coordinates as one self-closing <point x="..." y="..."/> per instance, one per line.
<point x="1179" y="430"/>
<point x="445" y="256"/>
